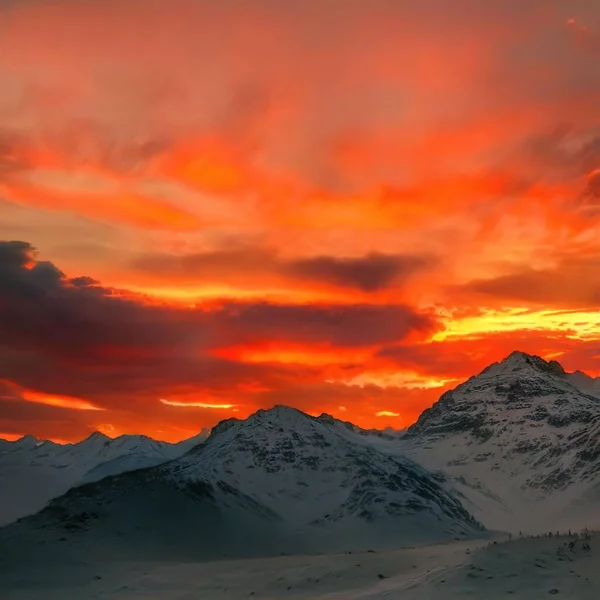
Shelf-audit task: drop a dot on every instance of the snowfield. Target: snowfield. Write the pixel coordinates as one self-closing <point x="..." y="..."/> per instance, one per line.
<point x="523" y="569"/>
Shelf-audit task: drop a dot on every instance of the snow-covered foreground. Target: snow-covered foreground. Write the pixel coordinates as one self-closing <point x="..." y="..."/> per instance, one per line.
<point x="525" y="569"/>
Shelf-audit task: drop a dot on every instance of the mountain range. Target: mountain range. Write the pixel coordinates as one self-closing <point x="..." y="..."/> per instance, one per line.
<point x="516" y="447"/>
<point x="33" y="471"/>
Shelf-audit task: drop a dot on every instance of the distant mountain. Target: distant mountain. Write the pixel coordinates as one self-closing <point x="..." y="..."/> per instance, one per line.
<point x="585" y="383"/>
<point x="34" y="471"/>
<point x="521" y="441"/>
<point x="27" y="441"/>
<point x="279" y="481"/>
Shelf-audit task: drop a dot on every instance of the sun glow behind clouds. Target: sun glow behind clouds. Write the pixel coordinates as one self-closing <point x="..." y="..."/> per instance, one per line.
<point x="316" y="355"/>
<point x="387" y="413"/>
<point x="181" y="404"/>
<point x="11" y="437"/>
<point x="575" y="324"/>
<point x="403" y="380"/>
<point x="59" y="401"/>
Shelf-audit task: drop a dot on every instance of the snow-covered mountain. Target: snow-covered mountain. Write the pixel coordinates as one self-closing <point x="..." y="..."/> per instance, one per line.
<point x="24" y="443"/>
<point x="34" y="471"/>
<point x="518" y="445"/>
<point x="279" y="481"/>
<point x="585" y="383"/>
<point x="521" y="441"/>
<point x="315" y="471"/>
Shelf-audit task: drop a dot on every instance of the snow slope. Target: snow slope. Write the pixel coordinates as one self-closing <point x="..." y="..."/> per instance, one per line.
<point x="520" y="441"/>
<point x="33" y="471"/>
<point x="279" y="481"/>
<point x="585" y="383"/>
<point x="316" y="471"/>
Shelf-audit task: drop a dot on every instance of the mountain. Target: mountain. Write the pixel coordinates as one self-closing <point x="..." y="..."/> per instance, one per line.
<point x="34" y="471"/>
<point x="279" y="481"/>
<point x="520" y="442"/>
<point x="585" y="383"/>
<point x="187" y="445"/>
<point x="26" y="442"/>
<point x="518" y="445"/>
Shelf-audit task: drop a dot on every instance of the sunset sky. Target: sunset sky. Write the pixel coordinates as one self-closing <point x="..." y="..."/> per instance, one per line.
<point x="346" y="206"/>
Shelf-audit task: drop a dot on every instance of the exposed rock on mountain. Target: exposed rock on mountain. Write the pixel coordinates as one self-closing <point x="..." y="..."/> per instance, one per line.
<point x="521" y="440"/>
<point x="280" y="481"/>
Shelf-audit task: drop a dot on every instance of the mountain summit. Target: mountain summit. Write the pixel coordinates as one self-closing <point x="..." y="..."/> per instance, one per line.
<point x="521" y="361"/>
<point x="523" y="431"/>
<point x="518" y="383"/>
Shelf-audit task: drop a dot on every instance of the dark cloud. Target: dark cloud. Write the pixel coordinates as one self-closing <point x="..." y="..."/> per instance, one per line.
<point x="22" y="417"/>
<point x="572" y="282"/>
<point x="371" y="272"/>
<point x="15" y="254"/>
<point x="528" y="285"/>
<point x="72" y="336"/>
<point x="346" y="325"/>
<point x="41" y="307"/>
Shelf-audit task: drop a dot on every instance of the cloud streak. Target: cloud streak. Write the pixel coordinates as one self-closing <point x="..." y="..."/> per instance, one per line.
<point x="368" y="273"/>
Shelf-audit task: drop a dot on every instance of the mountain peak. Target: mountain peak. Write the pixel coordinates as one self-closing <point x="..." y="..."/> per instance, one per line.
<point x="521" y="361"/>
<point x="97" y="437"/>
<point x="28" y="439"/>
<point x="519" y="357"/>
<point x="279" y="415"/>
<point x="280" y="410"/>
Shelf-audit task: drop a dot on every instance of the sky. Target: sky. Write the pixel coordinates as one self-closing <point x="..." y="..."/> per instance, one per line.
<point x="342" y="206"/>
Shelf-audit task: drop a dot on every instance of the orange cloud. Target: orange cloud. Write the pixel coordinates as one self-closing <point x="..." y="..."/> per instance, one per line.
<point x="191" y="404"/>
<point x="60" y="401"/>
<point x="354" y="205"/>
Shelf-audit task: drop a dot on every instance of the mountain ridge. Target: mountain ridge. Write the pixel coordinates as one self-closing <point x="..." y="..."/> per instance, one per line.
<point x="35" y="471"/>
<point x="521" y="431"/>
<point x="304" y="483"/>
